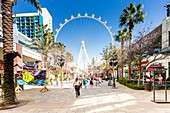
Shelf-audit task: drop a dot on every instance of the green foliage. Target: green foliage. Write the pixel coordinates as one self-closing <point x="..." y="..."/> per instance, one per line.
<point x="132" y="15"/>
<point x="35" y="3"/>
<point x="69" y="57"/>
<point x="45" y="39"/>
<point x="130" y="83"/>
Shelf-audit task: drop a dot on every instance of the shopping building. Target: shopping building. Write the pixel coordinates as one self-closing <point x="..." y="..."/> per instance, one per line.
<point x="27" y="23"/>
<point x="161" y="32"/>
<point x="20" y="42"/>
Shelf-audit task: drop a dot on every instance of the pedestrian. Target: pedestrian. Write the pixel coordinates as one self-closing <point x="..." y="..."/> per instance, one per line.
<point x="56" y="78"/>
<point x="160" y="79"/>
<point x="85" y="82"/>
<point x="77" y="85"/>
<point x="91" y="81"/>
<point x="97" y="81"/>
<point x="51" y="81"/>
<point x="100" y="81"/>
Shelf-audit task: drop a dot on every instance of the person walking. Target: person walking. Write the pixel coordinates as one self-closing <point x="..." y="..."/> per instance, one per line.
<point x="91" y="81"/>
<point x="56" y="78"/>
<point x="85" y="83"/>
<point x="100" y="81"/>
<point x="77" y="85"/>
<point x="97" y="81"/>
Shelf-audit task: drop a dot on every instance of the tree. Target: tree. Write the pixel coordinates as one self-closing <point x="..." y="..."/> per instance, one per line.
<point x="131" y="15"/>
<point x="107" y="53"/>
<point x="8" y="87"/>
<point x="68" y="59"/>
<point x="122" y="36"/>
<point x="43" y="42"/>
<point x="61" y="48"/>
<point x="105" y="57"/>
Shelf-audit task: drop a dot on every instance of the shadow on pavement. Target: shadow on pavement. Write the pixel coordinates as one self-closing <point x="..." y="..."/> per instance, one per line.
<point x="18" y="104"/>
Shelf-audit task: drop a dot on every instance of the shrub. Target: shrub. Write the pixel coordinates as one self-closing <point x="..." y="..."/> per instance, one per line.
<point x="130" y="83"/>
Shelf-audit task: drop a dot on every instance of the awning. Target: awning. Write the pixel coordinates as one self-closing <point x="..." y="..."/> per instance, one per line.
<point x="144" y="62"/>
<point x="153" y="67"/>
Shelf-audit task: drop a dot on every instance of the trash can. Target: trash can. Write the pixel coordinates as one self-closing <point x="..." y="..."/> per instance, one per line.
<point x="147" y="86"/>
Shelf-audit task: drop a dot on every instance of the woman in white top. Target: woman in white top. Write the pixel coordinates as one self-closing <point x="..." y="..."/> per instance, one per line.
<point x="77" y="86"/>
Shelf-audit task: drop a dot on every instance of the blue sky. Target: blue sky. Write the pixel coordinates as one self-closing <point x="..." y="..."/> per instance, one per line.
<point x="94" y="34"/>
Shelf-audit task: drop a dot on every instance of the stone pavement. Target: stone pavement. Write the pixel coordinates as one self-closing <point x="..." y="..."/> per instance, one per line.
<point x="102" y="99"/>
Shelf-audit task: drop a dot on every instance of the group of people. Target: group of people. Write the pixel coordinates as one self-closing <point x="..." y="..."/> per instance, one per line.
<point x="78" y="82"/>
<point x="98" y="81"/>
<point x="150" y="79"/>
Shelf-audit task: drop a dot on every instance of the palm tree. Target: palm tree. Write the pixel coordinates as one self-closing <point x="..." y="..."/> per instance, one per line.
<point x="61" y="48"/>
<point x="131" y="15"/>
<point x="122" y="36"/>
<point x="8" y="87"/>
<point x="44" y="42"/>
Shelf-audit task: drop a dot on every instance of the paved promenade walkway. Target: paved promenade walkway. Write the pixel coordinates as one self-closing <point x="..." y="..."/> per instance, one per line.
<point x="102" y="99"/>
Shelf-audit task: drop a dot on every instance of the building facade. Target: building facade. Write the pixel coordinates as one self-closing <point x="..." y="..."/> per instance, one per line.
<point x="163" y="50"/>
<point x="27" y="23"/>
<point x="20" y="42"/>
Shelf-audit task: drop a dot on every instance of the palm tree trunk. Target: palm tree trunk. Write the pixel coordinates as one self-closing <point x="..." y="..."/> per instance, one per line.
<point x="9" y="97"/>
<point x="44" y="89"/>
<point x="129" y="59"/>
<point x="61" y="77"/>
<point x="122" y="43"/>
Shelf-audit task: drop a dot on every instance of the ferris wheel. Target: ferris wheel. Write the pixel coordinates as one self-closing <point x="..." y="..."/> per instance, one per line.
<point x="79" y="16"/>
<point x="83" y="59"/>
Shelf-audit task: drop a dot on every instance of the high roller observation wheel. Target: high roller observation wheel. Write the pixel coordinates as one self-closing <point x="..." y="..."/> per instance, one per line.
<point x="84" y="16"/>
